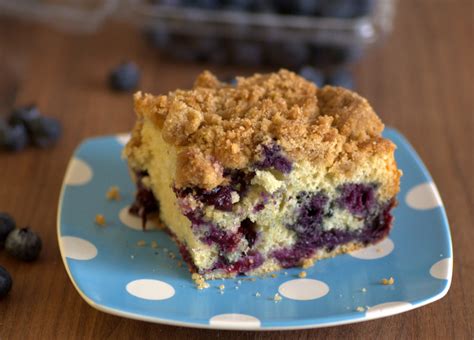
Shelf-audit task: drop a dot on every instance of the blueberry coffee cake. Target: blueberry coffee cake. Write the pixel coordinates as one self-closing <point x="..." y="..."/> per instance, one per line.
<point x="269" y="173"/>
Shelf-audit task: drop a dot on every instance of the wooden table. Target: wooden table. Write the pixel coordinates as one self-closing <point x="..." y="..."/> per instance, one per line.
<point x="420" y="81"/>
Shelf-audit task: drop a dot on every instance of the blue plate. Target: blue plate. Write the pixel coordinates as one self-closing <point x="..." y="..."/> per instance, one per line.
<point x="116" y="273"/>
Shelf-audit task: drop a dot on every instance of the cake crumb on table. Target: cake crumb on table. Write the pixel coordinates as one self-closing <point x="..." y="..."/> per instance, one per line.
<point x="221" y="287"/>
<point x="360" y="309"/>
<point x="307" y="263"/>
<point x="100" y="219"/>
<point x="274" y="275"/>
<point x="302" y="274"/>
<point x="154" y="244"/>
<point x="199" y="281"/>
<point x="388" y="282"/>
<point x="113" y="194"/>
<point x="257" y="294"/>
<point x="364" y="290"/>
<point x="277" y="297"/>
<point x="141" y="243"/>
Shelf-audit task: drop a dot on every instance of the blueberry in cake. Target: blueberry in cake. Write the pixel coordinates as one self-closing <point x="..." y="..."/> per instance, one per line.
<point x="270" y="173"/>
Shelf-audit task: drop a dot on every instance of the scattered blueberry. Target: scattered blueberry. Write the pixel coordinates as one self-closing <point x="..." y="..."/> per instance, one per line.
<point x="5" y="282"/>
<point x="157" y="36"/>
<point x="23" y="244"/>
<point x="24" y="115"/>
<point x="312" y="74"/>
<point x="124" y="77"/>
<point x="341" y="77"/>
<point x="7" y="224"/>
<point x="44" y="131"/>
<point x="13" y="137"/>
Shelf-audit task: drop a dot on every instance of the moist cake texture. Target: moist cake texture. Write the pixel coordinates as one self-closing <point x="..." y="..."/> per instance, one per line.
<point x="270" y="173"/>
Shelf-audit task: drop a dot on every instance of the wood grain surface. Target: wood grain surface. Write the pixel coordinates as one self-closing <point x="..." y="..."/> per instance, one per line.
<point x="419" y="81"/>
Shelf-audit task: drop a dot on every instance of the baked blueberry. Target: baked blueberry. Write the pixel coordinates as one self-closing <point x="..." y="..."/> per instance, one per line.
<point x="5" y="282"/>
<point x="7" y="224"/>
<point x="13" y="137"/>
<point x="24" y="115"/>
<point x="23" y="244"/>
<point x="44" y="131"/>
<point x="124" y="77"/>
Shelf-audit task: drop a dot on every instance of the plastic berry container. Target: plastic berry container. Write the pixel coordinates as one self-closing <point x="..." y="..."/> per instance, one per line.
<point x="226" y="35"/>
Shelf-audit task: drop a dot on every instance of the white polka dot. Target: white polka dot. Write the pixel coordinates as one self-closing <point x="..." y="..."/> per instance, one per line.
<point x="123" y="138"/>
<point x="78" y="172"/>
<point x="375" y="251"/>
<point x="234" y="321"/>
<point x="442" y="269"/>
<point x="133" y="221"/>
<point x="77" y="248"/>
<point x="149" y="289"/>
<point x="303" y="289"/>
<point x="387" y="308"/>
<point x="423" y="197"/>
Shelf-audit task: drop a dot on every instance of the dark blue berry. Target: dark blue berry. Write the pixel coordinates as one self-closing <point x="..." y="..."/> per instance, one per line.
<point x="124" y="77"/>
<point x="23" y="244"/>
<point x="364" y="7"/>
<point x="342" y="78"/>
<point x="346" y="8"/>
<point x="44" y="131"/>
<point x="7" y="224"/>
<point x="13" y="137"/>
<point x="157" y="36"/>
<point x="247" y="53"/>
<point x="289" y="54"/>
<point x="24" y="115"/>
<point x="312" y="74"/>
<point x="5" y="282"/>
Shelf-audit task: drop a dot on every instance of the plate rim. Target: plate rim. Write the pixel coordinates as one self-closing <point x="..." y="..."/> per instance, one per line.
<point x="242" y="327"/>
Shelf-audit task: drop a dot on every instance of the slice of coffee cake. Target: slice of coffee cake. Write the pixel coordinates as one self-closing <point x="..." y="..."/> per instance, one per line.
<point x="268" y="174"/>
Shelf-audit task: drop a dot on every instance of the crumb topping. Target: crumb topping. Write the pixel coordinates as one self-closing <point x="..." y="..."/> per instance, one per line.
<point x="388" y="282"/>
<point x="302" y="275"/>
<point x="216" y="126"/>
<point x="99" y="220"/>
<point x="113" y="194"/>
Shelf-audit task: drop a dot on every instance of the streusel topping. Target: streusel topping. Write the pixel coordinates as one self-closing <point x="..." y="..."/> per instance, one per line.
<point x="217" y="126"/>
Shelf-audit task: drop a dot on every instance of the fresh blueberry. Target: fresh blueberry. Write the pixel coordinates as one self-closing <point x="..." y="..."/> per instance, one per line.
<point x="44" y="131"/>
<point x="24" y="115"/>
<point x="23" y="244"/>
<point x="247" y="53"/>
<point x="13" y="137"/>
<point x="341" y="78"/>
<point x="312" y="74"/>
<point x="338" y="8"/>
<point x="7" y="224"/>
<point x="124" y="77"/>
<point x="289" y="54"/>
<point x="5" y="282"/>
<point x="157" y="36"/>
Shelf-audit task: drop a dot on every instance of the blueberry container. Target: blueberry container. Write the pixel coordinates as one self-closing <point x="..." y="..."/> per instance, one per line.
<point x="279" y="33"/>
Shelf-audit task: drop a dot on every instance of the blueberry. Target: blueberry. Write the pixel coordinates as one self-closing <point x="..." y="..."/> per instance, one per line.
<point x="247" y="53"/>
<point x="345" y="8"/>
<point x="231" y="80"/>
<point x="289" y="54"/>
<point x="312" y="74"/>
<point x="24" y="115"/>
<point x="23" y="244"/>
<point x="341" y="78"/>
<point x="13" y="137"/>
<point x="157" y="36"/>
<point x="364" y="7"/>
<point x="44" y="131"/>
<point x="5" y="282"/>
<point x="7" y="224"/>
<point x="124" y="77"/>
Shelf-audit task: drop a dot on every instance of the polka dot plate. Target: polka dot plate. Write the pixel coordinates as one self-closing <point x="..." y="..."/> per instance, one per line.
<point x="119" y="269"/>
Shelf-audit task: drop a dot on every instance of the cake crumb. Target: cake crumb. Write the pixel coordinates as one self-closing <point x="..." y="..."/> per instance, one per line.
<point x="302" y="274"/>
<point x="199" y="281"/>
<point x="239" y="282"/>
<point x="100" y="219"/>
<point x="180" y="264"/>
<point x="171" y="255"/>
<point x="113" y="194"/>
<point x="277" y="297"/>
<point x="257" y="294"/>
<point x="132" y="256"/>
<point x="307" y="263"/>
<point x="364" y="290"/>
<point x="154" y="244"/>
<point x="141" y="243"/>
<point x="221" y="287"/>
<point x="274" y="275"/>
<point x="388" y="282"/>
<point x="360" y="309"/>
<point x="236" y="287"/>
